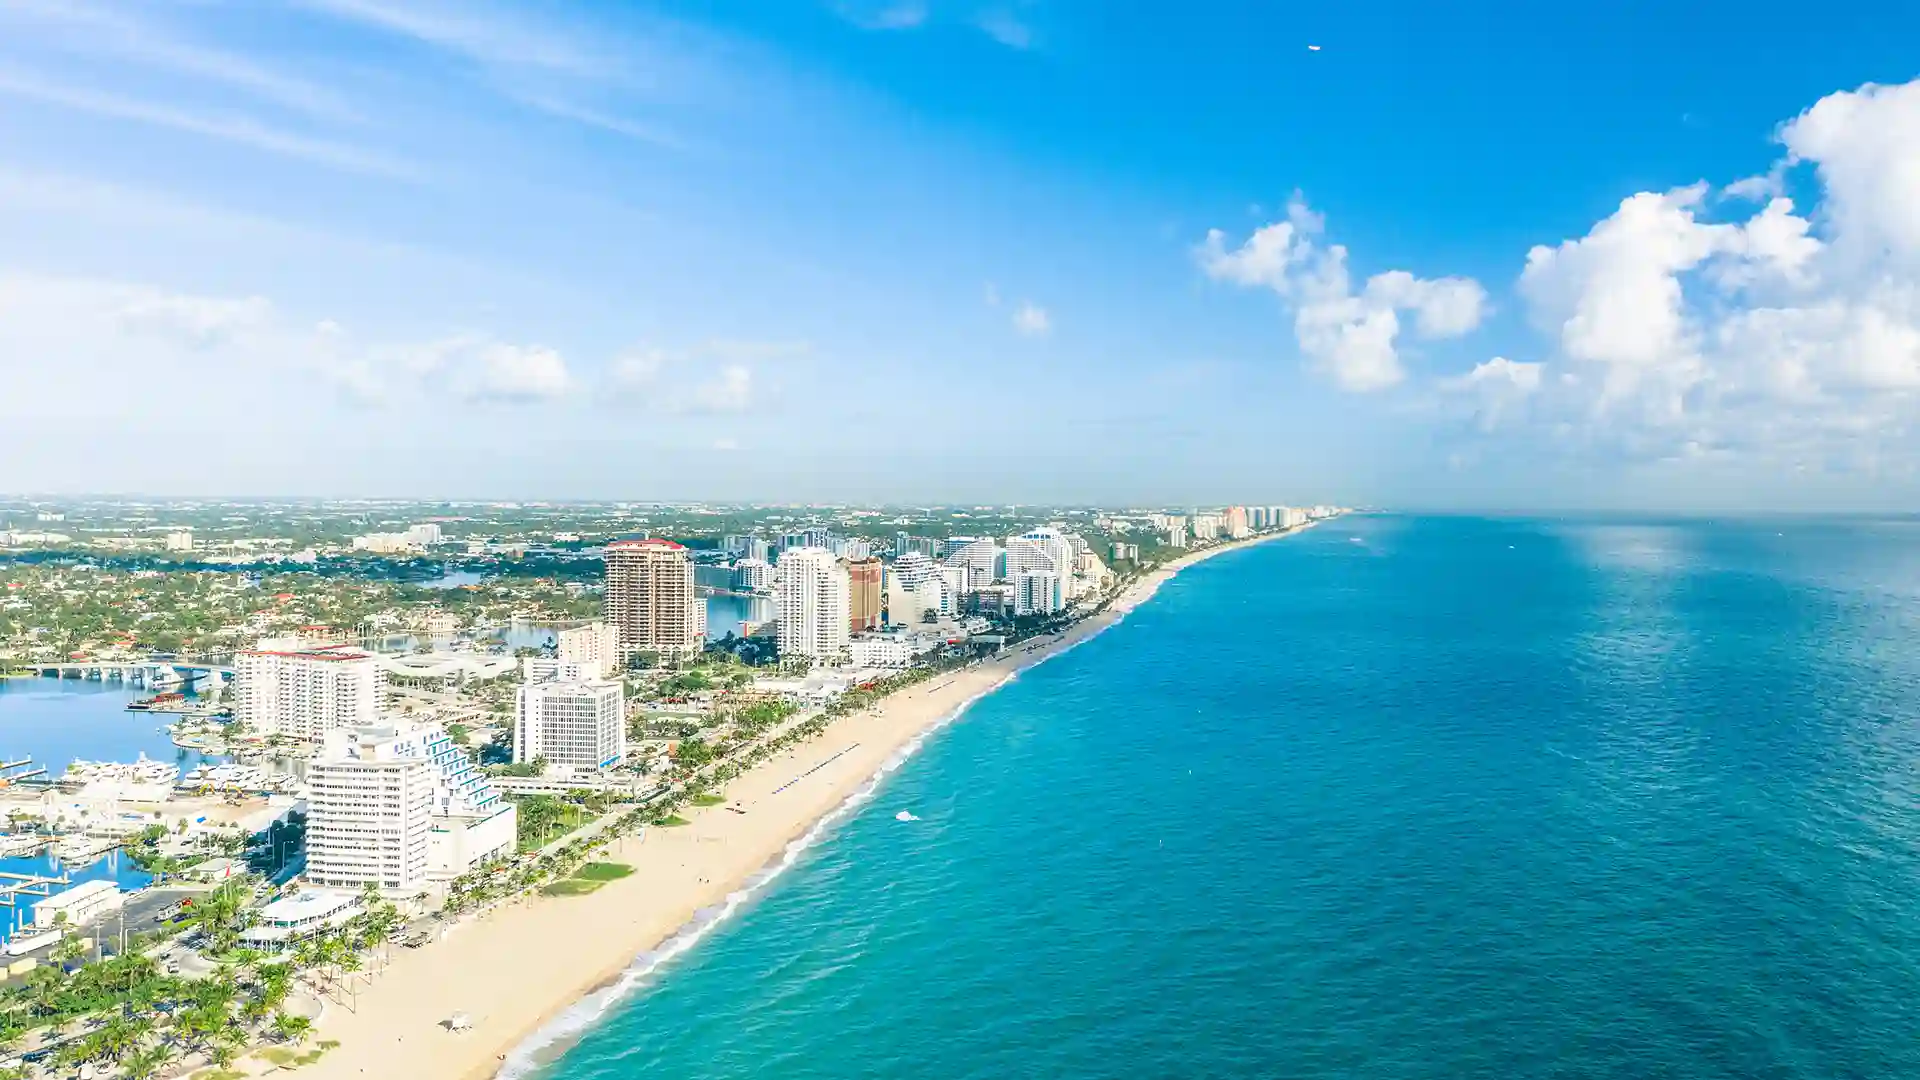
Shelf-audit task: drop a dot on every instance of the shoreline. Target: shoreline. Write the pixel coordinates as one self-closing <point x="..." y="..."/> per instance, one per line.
<point x="538" y="973"/>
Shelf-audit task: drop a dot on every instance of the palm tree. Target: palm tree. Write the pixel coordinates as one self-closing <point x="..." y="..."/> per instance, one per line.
<point x="148" y="1061"/>
<point x="290" y="1028"/>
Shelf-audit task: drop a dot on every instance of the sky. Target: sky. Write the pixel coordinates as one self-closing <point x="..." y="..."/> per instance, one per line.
<point x="1477" y="255"/>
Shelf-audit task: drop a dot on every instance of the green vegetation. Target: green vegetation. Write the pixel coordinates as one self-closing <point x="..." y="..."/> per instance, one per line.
<point x="571" y="887"/>
<point x="604" y="871"/>
<point x="671" y="821"/>
<point x="544" y="819"/>
<point x="706" y="799"/>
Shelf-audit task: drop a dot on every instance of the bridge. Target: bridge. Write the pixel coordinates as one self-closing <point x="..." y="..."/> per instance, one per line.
<point x="148" y="673"/>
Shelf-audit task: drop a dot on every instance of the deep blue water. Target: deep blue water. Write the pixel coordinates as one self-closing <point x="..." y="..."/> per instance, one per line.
<point x="1460" y="798"/>
<point x="56" y="721"/>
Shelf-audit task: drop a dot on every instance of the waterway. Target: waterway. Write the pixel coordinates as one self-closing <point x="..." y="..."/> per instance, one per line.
<point x="58" y="721"/>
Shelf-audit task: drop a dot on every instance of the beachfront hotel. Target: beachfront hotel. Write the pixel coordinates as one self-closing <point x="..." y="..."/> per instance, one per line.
<point x="812" y="598"/>
<point x="399" y="808"/>
<point x="651" y="600"/>
<point x="573" y="724"/>
<point x="303" y="692"/>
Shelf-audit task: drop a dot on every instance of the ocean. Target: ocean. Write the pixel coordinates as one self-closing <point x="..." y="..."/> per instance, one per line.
<point x="1397" y="798"/>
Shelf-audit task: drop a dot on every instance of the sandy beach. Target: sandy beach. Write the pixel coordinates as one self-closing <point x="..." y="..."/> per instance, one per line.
<point x="517" y="968"/>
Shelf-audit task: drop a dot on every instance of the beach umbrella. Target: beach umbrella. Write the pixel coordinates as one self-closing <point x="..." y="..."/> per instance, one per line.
<point x="460" y="1022"/>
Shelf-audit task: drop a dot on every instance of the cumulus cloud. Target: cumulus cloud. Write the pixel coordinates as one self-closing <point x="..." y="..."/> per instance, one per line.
<point x="1351" y="337"/>
<point x="1685" y="328"/>
<point x="1032" y="320"/>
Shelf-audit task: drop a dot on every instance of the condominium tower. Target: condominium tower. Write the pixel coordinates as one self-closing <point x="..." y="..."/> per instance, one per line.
<point x="814" y="605"/>
<point x="286" y="688"/>
<point x="650" y="598"/>
<point x="863" y="584"/>
<point x="580" y="725"/>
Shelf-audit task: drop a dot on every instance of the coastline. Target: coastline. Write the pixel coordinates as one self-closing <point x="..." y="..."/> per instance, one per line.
<point x="541" y="970"/>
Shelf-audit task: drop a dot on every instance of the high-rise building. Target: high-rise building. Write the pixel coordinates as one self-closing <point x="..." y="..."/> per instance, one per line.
<point x="813" y="602"/>
<point x="850" y="548"/>
<point x="1038" y="592"/>
<point x="425" y="534"/>
<point x="399" y="807"/>
<point x="595" y="647"/>
<point x="180" y="540"/>
<point x="1058" y="549"/>
<point x="650" y="598"/>
<point x="286" y="688"/>
<point x="863" y="594"/>
<point x="984" y="561"/>
<point x="752" y="575"/>
<point x="904" y="544"/>
<point x="579" y="725"/>
<point x="1237" y="526"/>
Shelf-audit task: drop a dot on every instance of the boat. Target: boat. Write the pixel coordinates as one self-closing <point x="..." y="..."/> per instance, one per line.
<point x="142" y="779"/>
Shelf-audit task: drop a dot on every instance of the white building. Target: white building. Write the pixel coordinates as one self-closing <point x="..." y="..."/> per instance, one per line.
<point x="752" y="575"/>
<point x="399" y="808"/>
<point x="80" y="905"/>
<point x="1025" y="556"/>
<point x="424" y="534"/>
<point x="384" y="543"/>
<point x="180" y="540"/>
<point x="303" y="693"/>
<point x="577" y="725"/>
<point x="814" y="600"/>
<point x="890" y="649"/>
<point x="300" y="916"/>
<point x="1038" y="592"/>
<point x="983" y="560"/>
<point x="535" y="669"/>
<point x="1059" y="552"/>
<point x="595" y="646"/>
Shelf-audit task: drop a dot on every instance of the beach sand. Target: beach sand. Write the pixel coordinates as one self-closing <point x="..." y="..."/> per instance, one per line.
<point x="516" y="968"/>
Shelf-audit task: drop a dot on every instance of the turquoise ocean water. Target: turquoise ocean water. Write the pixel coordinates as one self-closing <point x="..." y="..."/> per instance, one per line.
<point x="1397" y="798"/>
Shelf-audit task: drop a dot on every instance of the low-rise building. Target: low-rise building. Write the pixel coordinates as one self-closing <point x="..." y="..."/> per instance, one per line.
<point x="77" y="906"/>
<point x="295" y="918"/>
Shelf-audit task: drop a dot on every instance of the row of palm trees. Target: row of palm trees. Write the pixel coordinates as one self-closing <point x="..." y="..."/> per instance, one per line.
<point x="123" y="1012"/>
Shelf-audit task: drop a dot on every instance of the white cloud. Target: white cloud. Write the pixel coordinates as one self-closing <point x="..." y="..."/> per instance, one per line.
<point x="1006" y="28"/>
<point x="515" y="373"/>
<point x="81" y="334"/>
<point x="1688" y="331"/>
<point x="1032" y="320"/>
<point x="473" y="30"/>
<point x="729" y="391"/>
<point x="713" y="377"/>
<point x="885" y="15"/>
<point x="240" y="130"/>
<point x="1349" y="337"/>
<point x="98" y="29"/>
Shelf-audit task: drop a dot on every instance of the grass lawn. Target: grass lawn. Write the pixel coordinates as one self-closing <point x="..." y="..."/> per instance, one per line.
<point x="588" y="878"/>
<point x="603" y="871"/>
<point x="672" y="820"/>
<point x="706" y="799"/>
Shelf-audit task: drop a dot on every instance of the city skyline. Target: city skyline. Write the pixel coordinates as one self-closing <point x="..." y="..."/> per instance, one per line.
<point x="399" y="248"/>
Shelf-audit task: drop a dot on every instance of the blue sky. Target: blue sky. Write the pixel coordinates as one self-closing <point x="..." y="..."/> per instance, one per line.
<point x="1478" y="255"/>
